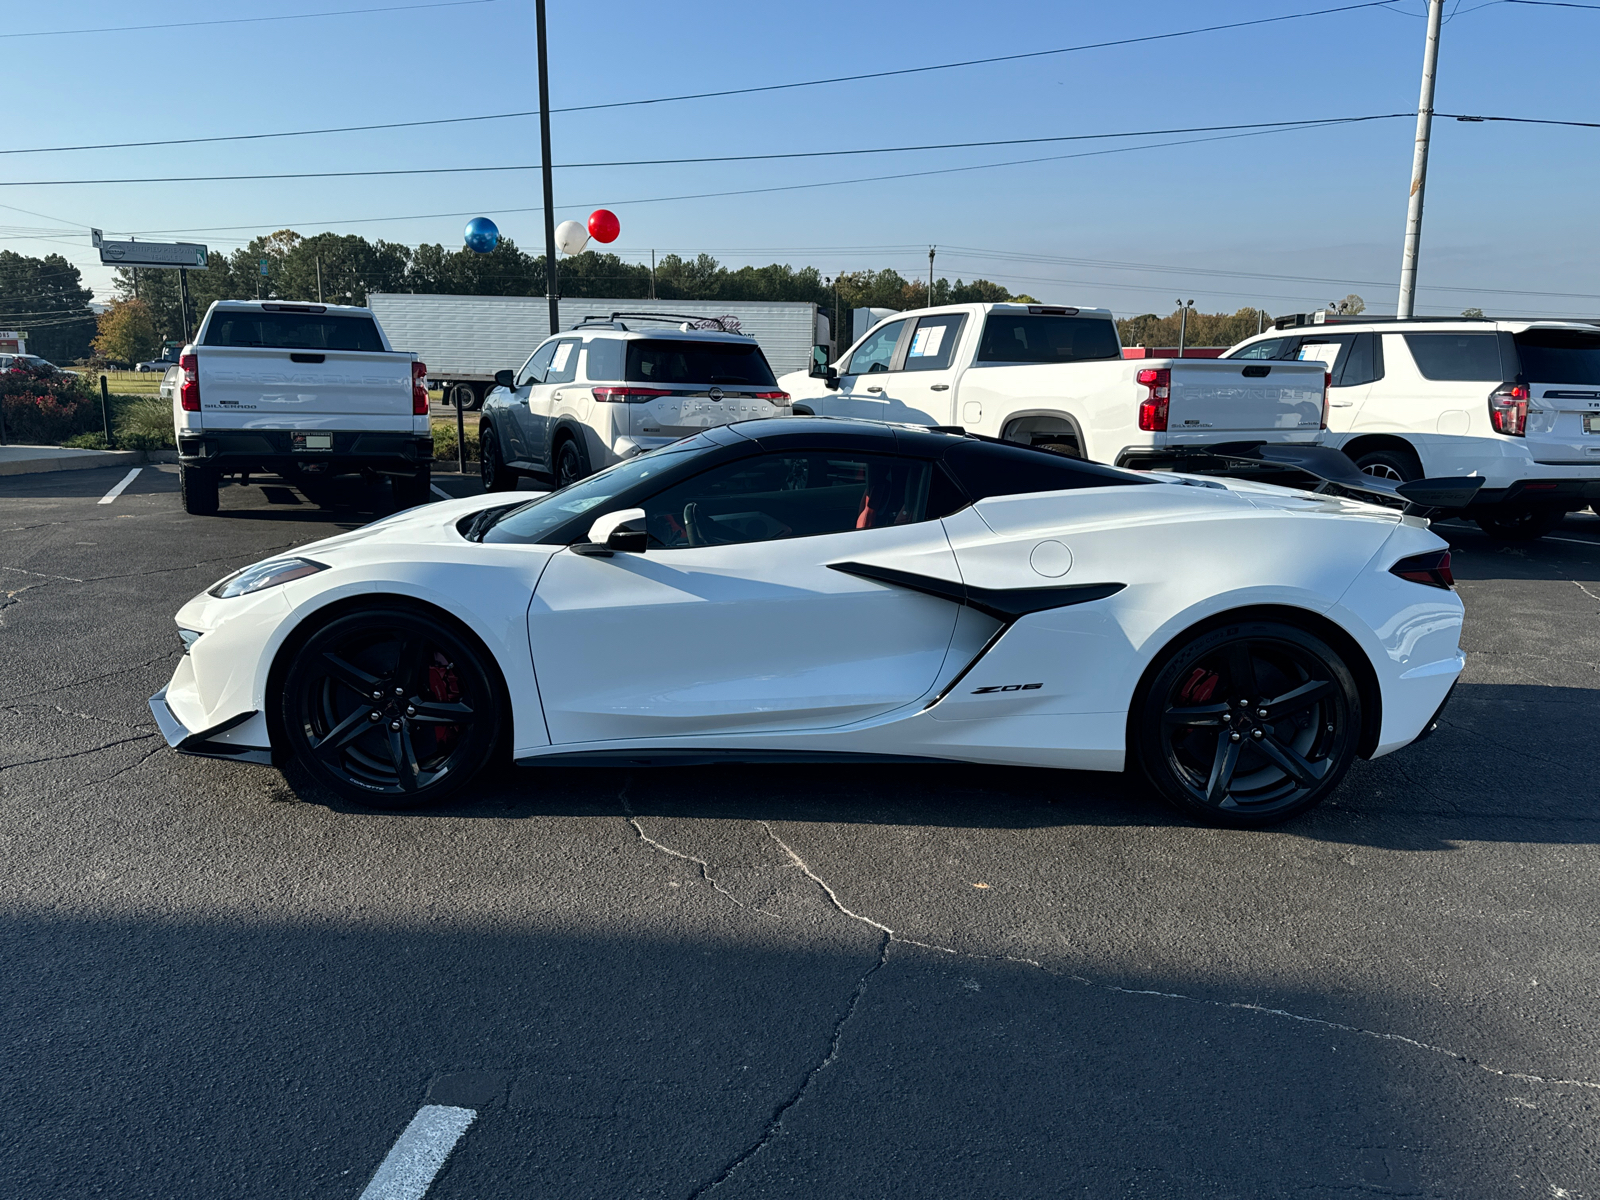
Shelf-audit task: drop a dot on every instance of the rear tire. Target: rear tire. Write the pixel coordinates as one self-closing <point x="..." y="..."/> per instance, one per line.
<point x="439" y="707"/>
<point x="198" y="487"/>
<point x="1394" y="465"/>
<point x="497" y="477"/>
<point x="1513" y="525"/>
<point x="1200" y="738"/>
<point x="418" y="489"/>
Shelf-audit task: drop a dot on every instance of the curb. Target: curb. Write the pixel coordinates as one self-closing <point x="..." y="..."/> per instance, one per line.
<point x="82" y="460"/>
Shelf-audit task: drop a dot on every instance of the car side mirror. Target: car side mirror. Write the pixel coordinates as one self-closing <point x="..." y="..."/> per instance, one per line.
<point x="506" y="379"/>
<point x="818" y="367"/>
<point x="830" y="379"/>
<point x="611" y="533"/>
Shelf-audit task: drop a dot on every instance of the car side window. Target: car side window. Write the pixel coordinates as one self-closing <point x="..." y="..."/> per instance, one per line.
<point x="1457" y="357"/>
<point x="603" y="360"/>
<point x="801" y="493"/>
<point x="933" y="343"/>
<point x="873" y="356"/>
<point x="1272" y="348"/>
<point x="1330" y="351"/>
<point x="1362" y="362"/>
<point x="534" y="369"/>
<point x="564" y="364"/>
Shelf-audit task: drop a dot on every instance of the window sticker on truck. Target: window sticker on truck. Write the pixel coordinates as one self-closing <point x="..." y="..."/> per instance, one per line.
<point x="927" y="340"/>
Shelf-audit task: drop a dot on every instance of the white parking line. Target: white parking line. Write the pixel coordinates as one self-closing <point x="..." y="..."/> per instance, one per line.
<point x="409" y="1168"/>
<point x="117" y="491"/>
<point x="1571" y="541"/>
<point x="440" y="492"/>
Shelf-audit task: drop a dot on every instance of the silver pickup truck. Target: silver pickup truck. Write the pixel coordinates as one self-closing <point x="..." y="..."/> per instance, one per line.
<point x="301" y="391"/>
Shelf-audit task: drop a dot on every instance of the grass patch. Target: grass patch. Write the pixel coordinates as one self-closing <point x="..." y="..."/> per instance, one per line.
<point x="137" y="423"/>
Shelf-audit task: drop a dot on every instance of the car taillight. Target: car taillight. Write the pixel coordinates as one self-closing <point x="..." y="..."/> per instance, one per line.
<point x="1327" y="382"/>
<point x="627" y="395"/>
<point x="778" y="398"/>
<point x="419" y="389"/>
<point x="189" y="388"/>
<point x="1432" y="569"/>
<point x="1508" y="409"/>
<point x="1153" y="408"/>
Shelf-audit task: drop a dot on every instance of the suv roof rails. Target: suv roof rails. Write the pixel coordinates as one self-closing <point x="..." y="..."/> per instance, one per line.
<point x="1323" y="317"/>
<point x="724" y="324"/>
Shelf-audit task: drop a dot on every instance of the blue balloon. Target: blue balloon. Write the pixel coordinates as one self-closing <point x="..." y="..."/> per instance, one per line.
<point x="482" y="235"/>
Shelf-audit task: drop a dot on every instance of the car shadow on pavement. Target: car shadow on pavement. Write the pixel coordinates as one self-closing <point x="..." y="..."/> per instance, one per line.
<point x="1480" y="778"/>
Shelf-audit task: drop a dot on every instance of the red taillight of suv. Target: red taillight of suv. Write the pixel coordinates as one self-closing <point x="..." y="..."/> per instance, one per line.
<point x="627" y="395"/>
<point x="1432" y="569"/>
<point x="1508" y="409"/>
<point x="189" y="385"/>
<point x="1153" y="408"/>
<point x="419" y="389"/>
<point x="778" y="398"/>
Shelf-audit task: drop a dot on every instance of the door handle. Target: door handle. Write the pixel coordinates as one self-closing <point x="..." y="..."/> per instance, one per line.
<point x="939" y="387"/>
<point x="874" y="389"/>
<point x="1340" y="403"/>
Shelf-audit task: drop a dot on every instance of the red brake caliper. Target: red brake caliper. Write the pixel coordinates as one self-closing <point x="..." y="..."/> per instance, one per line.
<point x="1199" y="687"/>
<point x="446" y="689"/>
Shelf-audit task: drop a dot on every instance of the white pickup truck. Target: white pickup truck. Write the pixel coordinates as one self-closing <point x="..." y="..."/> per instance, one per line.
<point x="302" y="391"/>
<point x="1054" y="376"/>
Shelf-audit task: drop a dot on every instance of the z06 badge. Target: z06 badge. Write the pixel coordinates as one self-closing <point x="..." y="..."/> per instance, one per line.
<point x="1007" y="687"/>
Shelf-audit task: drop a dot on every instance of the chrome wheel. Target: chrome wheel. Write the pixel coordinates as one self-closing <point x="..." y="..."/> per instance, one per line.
<point x="390" y="708"/>
<point x="1250" y="724"/>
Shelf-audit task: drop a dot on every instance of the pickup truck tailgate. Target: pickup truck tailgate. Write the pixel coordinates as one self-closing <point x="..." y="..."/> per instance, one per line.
<point x="261" y="388"/>
<point x="1270" y="400"/>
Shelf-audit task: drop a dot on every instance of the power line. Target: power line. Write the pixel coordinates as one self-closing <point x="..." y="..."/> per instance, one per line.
<point x="660" y="162"/>
<point x="344" y="12"/>
<point x="773" y="87"/>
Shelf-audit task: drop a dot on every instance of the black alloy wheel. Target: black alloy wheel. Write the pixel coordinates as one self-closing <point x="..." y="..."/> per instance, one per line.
<point x="569" y="465"/>
<point x="391" y="709"/>
<point x="1249" y="724"/>
<point x="497" y="477"/>
<point x="1514" y="524"/>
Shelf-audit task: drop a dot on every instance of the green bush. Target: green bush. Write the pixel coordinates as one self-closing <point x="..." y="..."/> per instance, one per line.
<point x="86" y="441"/>
<point x="145" y="424"/>
<point x="47" y="409"/>
<point x="444" y="441"/>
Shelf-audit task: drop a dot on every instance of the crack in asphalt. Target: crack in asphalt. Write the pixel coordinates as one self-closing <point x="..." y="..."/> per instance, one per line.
<point x="888" y="937"/>
<point x="76" y="753"/>
<point x="42" y="575"/>
<point x="108" y="675"/>
<point x="705" y="871"/>
<point x="22" y="710"/>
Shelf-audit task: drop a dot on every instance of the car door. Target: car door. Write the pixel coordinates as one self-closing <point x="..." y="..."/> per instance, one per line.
<point x="562" y="368"/>
<point x="861" y="391"/>
<point x="1348" y="359"/>
<point x="922" y="391"/>
<point x="733" y="621"/>
<point x="519" y="429"/>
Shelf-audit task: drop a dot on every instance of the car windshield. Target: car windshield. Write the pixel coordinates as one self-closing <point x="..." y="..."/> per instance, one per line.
<point x="538" y="519"/>
<point x="1559" y="355"/>
<point x="705" y="363"/>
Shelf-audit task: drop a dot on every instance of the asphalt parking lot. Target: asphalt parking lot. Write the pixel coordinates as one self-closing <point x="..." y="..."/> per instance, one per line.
<point x="820" y="981"/>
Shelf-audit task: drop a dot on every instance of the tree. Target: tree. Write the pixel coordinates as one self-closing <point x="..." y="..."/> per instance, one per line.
<point x="1204" y="329"/>
<point x="46" y="300"/>
<point x="1352" y="305"/>
<point x="127" y="332"/>
<point x="1472" y="312"/>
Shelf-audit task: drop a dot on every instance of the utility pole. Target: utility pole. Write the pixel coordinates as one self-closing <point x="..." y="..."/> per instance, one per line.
<point x="319" y="279"/>
<point x="1419" y="163"/>
<point x="931" y="249"/>
<point x="183" y="303"/>
<point x="1261" y="319"/>
<point x="652" y="274"/>
<point x="549" y="190"/>
<point x="1183" y="324"/>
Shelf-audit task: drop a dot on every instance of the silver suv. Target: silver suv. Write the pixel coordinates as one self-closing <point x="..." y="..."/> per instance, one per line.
<point x="611" y="388"/>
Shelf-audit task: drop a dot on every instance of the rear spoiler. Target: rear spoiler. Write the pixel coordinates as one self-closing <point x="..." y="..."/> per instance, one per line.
<point x="1420" y="496"/>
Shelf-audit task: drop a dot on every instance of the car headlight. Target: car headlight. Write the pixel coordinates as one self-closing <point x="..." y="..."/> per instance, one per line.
<point x="263" y="575"/>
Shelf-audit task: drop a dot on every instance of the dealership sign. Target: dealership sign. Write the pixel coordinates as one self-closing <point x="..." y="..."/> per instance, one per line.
<point x="168" y="255"/>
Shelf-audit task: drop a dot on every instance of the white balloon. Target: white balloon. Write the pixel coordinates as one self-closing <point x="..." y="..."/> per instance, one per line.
<point x="571" y="237"/>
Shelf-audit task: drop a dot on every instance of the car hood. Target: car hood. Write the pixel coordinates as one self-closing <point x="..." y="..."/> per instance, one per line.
<point x="428" y="523"/>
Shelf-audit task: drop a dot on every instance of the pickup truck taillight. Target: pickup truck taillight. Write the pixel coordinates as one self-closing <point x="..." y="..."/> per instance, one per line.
<point x="627" y="395"/>
<point x="1327" y="382"/>
<point x="189" y="385"/>
<point x="419" y="389"/>
<point x="1153" y="408"/>
<point x="1432" y="568"/>
<point x="1508" y="409"/>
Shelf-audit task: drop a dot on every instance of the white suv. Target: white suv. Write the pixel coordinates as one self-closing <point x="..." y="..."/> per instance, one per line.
<point x="1515" y="402"/>
<point x="607" y="390"/>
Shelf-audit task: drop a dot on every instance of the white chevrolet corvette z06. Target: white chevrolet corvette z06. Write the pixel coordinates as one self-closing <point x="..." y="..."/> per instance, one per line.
<point x="802" y="588"/>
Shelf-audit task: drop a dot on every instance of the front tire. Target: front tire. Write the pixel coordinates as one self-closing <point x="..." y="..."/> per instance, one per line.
<point x="390" y="708"/>
<point x="569" y="465"/>
<point x="497" y="477"/>
<point x="1249" y="724"/>
<point x="198" y="488"/>
<point x="1517" y="525"/>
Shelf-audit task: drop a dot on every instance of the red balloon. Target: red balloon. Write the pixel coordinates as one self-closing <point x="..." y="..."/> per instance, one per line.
<point x="603" y="225"/>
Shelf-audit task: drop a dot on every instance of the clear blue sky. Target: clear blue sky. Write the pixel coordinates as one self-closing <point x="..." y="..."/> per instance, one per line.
<point x="1509" y="207"/>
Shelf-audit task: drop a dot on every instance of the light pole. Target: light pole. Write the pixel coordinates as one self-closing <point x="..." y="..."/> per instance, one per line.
<point x="1183" y="324"/>
<point x="544" y="151"/>
<point x="1419" y="164"/>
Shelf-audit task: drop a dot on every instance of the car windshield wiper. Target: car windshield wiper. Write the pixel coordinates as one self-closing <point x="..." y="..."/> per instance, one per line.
<point x="486" y="520"/>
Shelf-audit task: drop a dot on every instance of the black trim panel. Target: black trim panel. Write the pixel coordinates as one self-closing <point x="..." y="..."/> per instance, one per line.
<point x="1004" y="604"/>
<point x="177" y="735"/>
<point x="706" y="757"/>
